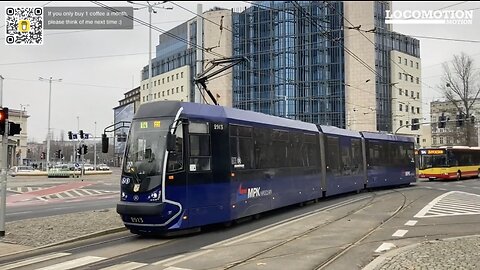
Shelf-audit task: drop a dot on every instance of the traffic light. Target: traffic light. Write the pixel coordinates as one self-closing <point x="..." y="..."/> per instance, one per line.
<point x="81" y="134"/>
<point x="86" y="136"/>
<point x="70" y="135"/>
<point x="85" y="149"/>
<point x="415" y="124"/>
<point x="13" y="129"/>
<point x="104" y="143"/>
<point x="78" y="151"/>
<point x="3" y="119"/>
<point x="472" y="119"/>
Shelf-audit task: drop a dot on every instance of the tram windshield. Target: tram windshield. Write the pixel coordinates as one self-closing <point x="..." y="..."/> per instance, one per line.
<point x="433" y="161"/>
<point x="146" y="146"/>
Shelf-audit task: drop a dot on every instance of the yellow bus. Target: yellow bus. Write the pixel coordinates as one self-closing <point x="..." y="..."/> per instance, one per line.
<point x="455" y="162"/>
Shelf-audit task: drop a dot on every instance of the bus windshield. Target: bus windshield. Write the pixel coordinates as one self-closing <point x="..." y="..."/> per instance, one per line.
<point x="145" y="148"/>
<point x="433" y="161"/>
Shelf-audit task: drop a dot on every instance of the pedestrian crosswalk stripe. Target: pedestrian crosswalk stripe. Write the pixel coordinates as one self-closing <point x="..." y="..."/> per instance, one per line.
<point x="125" y="266"/>
<point x="33" y="260"/>
<point x="73" y="263"/>
<point x="452" y="203"/>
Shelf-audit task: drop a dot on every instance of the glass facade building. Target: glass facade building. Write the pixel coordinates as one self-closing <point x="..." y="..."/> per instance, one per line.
<point x="296" y="60"/>
<point x="295" y="64"/>
<point x="386" y="41"/>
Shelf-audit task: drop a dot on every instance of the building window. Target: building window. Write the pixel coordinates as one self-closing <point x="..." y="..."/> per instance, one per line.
<point x="406" y="92"/>
<point x="411" y="63"/>
<point x="181" y="87"/>
<point x="163" y="80"/>
<point x="406" y="62"/>
<point x="434" y="140"/>
<point x="418" y="95"/>
<point x="411" y="94"/>
<point x="448" y="140"/>
<point x="406" y="122"/>
<point x="401" y="122"/>
<point x="168" y="92"/>
<point x="177" y="76"/>
<point x="406" y="77"/>
<point x="155" y="96"/>
<point x="144" y="87"/>
<point x="399" y="75"/>
<point x="154" y="83"/>
<point x="400" y="107"/>
<point x="413" y="109"/>
<point x="406" y="109"/>
<point x="399" y="59"/>
<point x="441" y="140"/>
<point x="143" y="98"/>
<point x="417" y="65"/>
<point x="418" y="80"/>
<point x="172" y="78"/>
<point x="400" y="91"/>
<point x="163" y="93"/>
<point x="177" y="89"/>
<point x="411" y="78"/>
<point x="181" y="74"/>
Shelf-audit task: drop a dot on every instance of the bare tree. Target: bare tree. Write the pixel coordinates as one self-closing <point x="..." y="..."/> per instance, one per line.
<point x="460" y="87"/>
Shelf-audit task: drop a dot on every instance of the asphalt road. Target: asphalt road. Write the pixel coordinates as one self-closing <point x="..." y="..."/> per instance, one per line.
<point x="344" y="232"/>
<point x="93" y="193"/>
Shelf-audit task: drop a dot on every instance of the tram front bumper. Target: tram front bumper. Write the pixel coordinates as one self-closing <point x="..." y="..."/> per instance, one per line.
<point x="140" y="209"/>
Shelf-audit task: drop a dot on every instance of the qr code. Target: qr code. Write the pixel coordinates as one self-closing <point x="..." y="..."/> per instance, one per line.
<point x="24" y="26"/>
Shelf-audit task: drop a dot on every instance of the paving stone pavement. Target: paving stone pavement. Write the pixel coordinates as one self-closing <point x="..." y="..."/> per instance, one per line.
<point x="452" y="253"/>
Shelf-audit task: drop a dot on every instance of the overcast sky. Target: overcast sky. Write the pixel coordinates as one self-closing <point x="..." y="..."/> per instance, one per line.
<point x="91" y="87"/>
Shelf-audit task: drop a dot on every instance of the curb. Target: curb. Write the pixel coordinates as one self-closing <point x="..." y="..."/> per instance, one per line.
<point x="390" y="254"/>
<point x="71" y="240"/>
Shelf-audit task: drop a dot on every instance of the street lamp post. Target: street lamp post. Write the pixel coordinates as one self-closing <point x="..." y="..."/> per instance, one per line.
<point x="151" y="9"/>
<point x="95" y="146"/>
<point x="50" y="80"/>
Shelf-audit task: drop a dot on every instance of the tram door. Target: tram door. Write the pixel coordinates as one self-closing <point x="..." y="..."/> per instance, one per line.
<point x="205" y="189"/>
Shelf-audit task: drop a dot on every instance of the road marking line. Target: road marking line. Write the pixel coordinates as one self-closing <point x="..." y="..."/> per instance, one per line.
<point x="33" y="260"/>
<point x="125" y="266"/>
<point x="429" y="187"/>
<point x="168" y="260"/>
<point x="73" y="263"/>
<point x="175" y="268"/>
<point x="384" y="247"/>
<point x="400" y="233"/>
<point x="188" y="257"/>
<point x="59" y="196"/>
<point x="422" y="212"/>
<point x="78" y="193"/>
<point x="86" y="191"/>
<point x="411" y="223"/>
<point x="69" y="194"/>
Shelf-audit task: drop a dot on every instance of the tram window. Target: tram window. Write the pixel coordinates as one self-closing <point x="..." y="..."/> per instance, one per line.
<point x="310" y="151"/>
<point x="346" y="158"/>
<point x="356" y="155"/>
<point x="241" y="147"/>
<point x="332" y="153"/>
<point x="294" y="150"/>
<point x="376" y="154"/>
<point x="175" y="159"/>
<point x="263" y="150"/>
<point x="279" y="145"/>
<point x="201" y="128"/>
<point x="199" y="145"/>
<point x="199" y="152"/>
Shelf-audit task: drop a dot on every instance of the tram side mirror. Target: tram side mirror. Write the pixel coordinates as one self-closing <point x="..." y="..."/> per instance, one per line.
<point x="104" y="143"/>
<point x="171" y="142"/>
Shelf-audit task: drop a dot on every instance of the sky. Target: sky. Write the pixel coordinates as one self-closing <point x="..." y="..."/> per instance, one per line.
<point x="98" y="66"/>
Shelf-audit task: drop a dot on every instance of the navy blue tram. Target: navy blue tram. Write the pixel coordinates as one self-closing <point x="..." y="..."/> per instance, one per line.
<point x="187" y="165"/>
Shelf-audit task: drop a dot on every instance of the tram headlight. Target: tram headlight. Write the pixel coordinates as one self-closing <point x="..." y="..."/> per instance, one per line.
<point x="155" y="196"/>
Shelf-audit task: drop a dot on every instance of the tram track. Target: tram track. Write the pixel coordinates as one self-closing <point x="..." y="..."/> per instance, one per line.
<point x="323" y="225"/>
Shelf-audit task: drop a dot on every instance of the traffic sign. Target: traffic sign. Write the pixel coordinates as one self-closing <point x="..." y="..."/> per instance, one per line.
<point x="77" y="165"/>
